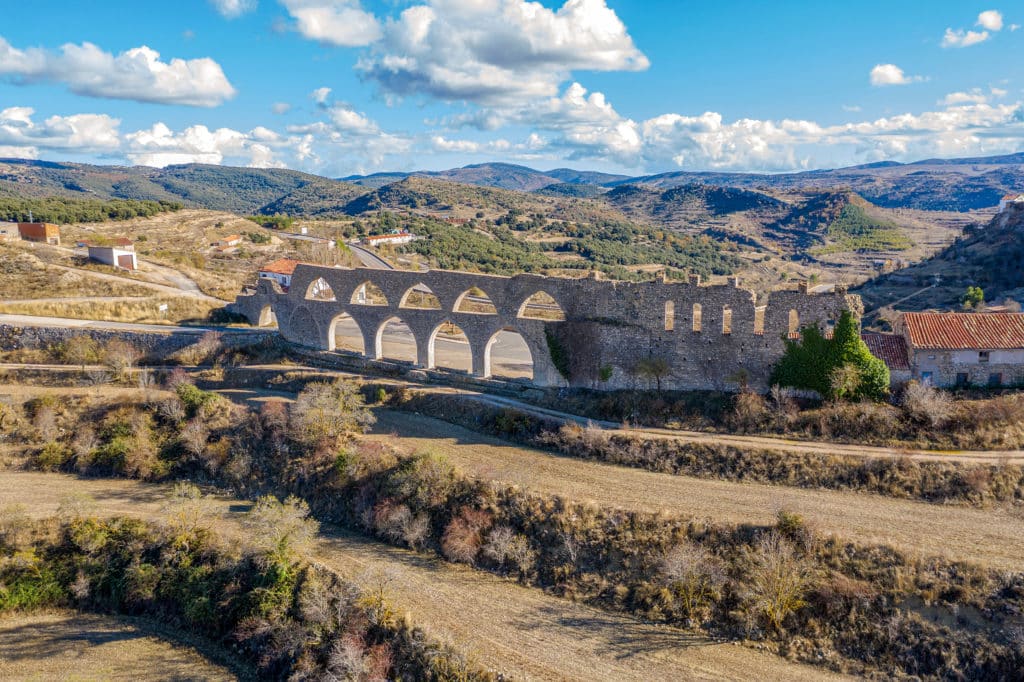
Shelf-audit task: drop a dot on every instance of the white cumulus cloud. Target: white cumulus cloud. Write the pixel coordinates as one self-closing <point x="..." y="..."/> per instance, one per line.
<point x="890" y="74"/>
<point x="343" y="23"/>
<point x="964" y="38"/>
<point x="991" y="20"/>
<point x="491" y="51"/>
<point x="23" y="136"/>
<point x="136" y="74"/>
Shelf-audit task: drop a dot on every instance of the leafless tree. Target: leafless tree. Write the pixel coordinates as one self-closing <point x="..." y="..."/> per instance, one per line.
<point x="194" y="437"/>
<point x="778" y="578"/>
<point x="81" y="350"/>
<point x="926" y="404"/>
<point x="120" y="356"/>
<point x="44" y="421"/>
<point x="694" y="575"/>
<point x="172" y="410"/>
<point x="187" y="509"/>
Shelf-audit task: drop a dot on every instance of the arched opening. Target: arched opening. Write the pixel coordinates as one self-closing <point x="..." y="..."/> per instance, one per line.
<point x="345" y="334"/>
<point x="420" y="297"/>
<point x="759" y="320"/>
<point x="726" y="320"/>
<point x="794" y="324"/>
<point x="320" y="290"/>
<point x="395" y="341"/>
<point x="368" y="293"/>
<point x="698" y="317"/>
<point x="475" y="301"/>
<point x="541" y="306"/>
<point x="507" y="356"/>
<point x="267" y="317"/>
<point x="670" y="316"/>
<point x="449" y="348"/>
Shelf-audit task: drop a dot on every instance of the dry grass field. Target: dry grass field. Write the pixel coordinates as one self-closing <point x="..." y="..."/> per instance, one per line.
<point x="74" y="646"/>
<point x="24" y="275"/>
<point x="994" y="537"/>
<point x="140" y="311"/>
<point x="524" y="632"/>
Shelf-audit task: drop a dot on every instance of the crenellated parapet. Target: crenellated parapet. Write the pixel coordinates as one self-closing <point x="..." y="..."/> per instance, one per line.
<point x="709" y="336"/>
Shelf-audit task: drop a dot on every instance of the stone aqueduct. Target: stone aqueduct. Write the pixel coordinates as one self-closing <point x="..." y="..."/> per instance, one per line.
<point x="703" y="336"/>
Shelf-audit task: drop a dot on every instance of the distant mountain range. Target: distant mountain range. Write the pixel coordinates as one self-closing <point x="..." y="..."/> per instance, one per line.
<point x="936" y="184"/>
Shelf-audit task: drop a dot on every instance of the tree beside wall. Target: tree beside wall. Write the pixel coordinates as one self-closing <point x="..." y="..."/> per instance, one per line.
<point x="841" y="367"/>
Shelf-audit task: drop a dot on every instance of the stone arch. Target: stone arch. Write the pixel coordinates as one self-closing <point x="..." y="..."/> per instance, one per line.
<point x="350" y="329"/>
<point x="540" y="305"/>
<point x="379" y="341"/>
<point x="794" y="324"/>
<point x="266" y="317"/>
<point x="726" y="320"/>
<point x="475" y="301"/>
<point x="670" y="316"/>
<point x="435" y="359"/>
<point x="516" y="364"/>
<point x="320" y="290"/>
<point x="420" y="297"/>
<point x="368" y="293"/>
<point x="698" y="317"/>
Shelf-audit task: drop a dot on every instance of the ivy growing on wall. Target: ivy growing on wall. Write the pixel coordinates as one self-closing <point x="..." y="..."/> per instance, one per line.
<point x="840" y="367"/>
<point x="559" y="354"/>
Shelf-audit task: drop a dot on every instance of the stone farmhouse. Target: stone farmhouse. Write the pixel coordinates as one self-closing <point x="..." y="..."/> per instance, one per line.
<point x="964" y="349"/>
<point x="395" y="239"/>
<point x="588" y="332"/>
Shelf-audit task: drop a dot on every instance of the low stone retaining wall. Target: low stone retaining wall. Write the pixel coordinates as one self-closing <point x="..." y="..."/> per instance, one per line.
<point x="153" y="345"/>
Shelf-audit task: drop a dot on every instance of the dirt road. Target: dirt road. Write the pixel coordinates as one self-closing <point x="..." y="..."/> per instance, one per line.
<point x="991" y="536"/>
<point x="523" y="631"/>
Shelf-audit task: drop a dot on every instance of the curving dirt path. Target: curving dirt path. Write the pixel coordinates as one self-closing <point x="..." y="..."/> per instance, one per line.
<point x="522" y="631"/>
<point x="992" y="536"/>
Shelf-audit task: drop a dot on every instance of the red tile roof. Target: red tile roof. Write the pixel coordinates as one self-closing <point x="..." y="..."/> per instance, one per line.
<point x="282" y="266"/>
<point x="965" y="331"/>
<point x="889" y="348"/>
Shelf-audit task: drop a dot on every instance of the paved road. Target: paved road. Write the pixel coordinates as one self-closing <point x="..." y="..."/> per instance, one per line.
<point x="67" y="322"/>
<point x="369" y="258"/>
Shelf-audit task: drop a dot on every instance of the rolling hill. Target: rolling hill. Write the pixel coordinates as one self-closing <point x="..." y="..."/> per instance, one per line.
<point x="991" y="257"/>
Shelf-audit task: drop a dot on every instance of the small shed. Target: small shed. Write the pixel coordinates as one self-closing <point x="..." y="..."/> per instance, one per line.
<point x="119" y="253"/>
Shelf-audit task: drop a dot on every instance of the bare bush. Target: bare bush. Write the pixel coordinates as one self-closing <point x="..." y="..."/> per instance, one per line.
<point x="187" y="509"/>
<point x="926" y="404"/>
<point x="120" y="356"/>
<point x="75" y="506"/>
<point x="194" y="436"/>
<point x="282" y="530"/>
<point x="80" y="350"/>
<point x="464" y="535"/>
<point x="749" y="411"/>
<point x="44" y="421"/>
<point x="324" y="413"/>
<point x="694" y="576"/>
<point x="172" y="410"/>
<point x="399" y="524"/>
<point x="505" y="546"/>
<point x="778" y="579"/>
<point x="14" y="525"/>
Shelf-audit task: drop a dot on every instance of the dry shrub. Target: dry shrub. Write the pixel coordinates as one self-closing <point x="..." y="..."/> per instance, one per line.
<point x="777" y="580"/>
<point x="464" y="535"/>
<point x="926" y="404"/>
<point x="749" y="411"/>
<point x="397" y="523"/>
<point x="695" y="578"/>
<point x="14" y="525"/>
<point x="505" y="546"/>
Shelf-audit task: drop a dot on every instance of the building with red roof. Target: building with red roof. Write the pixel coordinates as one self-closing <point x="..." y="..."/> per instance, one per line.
<point x="951" y="349"/>
<point x="280" y="271"/>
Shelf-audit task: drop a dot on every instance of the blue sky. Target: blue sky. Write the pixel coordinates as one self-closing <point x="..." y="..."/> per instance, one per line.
<point x="349" y="86"/>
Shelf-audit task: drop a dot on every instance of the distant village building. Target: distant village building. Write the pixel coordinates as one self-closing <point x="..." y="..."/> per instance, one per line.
<point x="1016" y="200"/>
<point x="120" y="253"/>
<point x="280" y="270"/>
<point x="964" y="349"/>
<point x="393" y="239"/>
<point x="46" y="233"/>
<point x="232" y="240"/>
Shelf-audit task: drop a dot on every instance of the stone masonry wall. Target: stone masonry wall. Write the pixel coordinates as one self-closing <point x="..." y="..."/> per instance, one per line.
<point x="610" y="327"/>
<point x="154" y="346"/>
